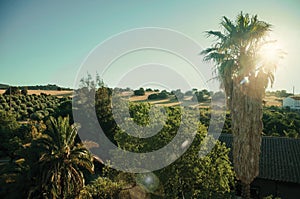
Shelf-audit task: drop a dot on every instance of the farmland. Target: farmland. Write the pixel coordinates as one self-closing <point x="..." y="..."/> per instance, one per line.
<point x="47" y="92"/>
<point x="36" y="105"/>
<point x="27" y="120"/>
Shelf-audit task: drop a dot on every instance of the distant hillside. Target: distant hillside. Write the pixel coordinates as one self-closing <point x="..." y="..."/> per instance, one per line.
<point x="4" y="86"/>
<point x="49" y="87"/>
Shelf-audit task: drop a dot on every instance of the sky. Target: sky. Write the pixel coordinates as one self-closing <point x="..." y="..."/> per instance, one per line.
<point x="51" y="42"/>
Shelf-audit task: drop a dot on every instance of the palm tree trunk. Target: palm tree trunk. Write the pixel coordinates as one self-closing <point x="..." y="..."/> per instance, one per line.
<point x="246" y="114"/>
<point x="246" y="191"/>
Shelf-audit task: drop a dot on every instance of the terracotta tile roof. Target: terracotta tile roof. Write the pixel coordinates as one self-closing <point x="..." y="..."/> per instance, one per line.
<point x="279" y="159"/>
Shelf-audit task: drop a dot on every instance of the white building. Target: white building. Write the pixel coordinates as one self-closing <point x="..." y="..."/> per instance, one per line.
<point x="293" y="102"/>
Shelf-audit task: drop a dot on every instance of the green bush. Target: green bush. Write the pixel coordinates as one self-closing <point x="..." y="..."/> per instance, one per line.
<point x="18" y="101"/>
<point x="101" y="188"/>
<point x="139" y="92"/>
<point x="38" y="115"/>
<point x="2" y="99"/>
<point x="23" y="106"/>
<point x="24" y="90"/>
<point x="163" y="95"/>
<point x="29" y="104"/>
<point x="50" y="110"/>
<point x="153" y="96"/>
<point x="12" y="90"/>
<point x="30" y="110"/>
<point x="43" y="106"/>
<point x="17" y="108"/>
<point x="24" y="114"/>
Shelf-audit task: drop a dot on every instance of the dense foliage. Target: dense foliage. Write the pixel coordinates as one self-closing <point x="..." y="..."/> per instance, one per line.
<point x="45" y="158"/>
<point x="280" y="122"/>
<point x="35" y="107"/>
<point x="139" y="92"/>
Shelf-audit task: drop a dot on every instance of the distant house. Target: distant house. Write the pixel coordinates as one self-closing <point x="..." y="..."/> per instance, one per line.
<point x="279" y="168"/>
<point x="293" y="102"/>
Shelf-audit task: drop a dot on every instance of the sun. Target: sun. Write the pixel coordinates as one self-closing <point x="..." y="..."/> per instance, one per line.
<point x="270" y="55"/>
<point x="269" y="51"/>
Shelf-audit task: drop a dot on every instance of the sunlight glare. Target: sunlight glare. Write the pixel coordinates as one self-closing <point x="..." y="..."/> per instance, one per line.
<point x="270" y="52"/>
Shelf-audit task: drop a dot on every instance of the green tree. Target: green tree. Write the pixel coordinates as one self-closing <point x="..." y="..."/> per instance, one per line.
<point x="8" y="134"/>
<point x="139" y="92"/>
<point x="12" y="163"/>
<point x="193" y="177"/>
<point x="190" y="176"/>
<point x="24" y="90"/>
<point x="58" y="170"/>
<point x="12" y="90"/>
<point x="244" y="75"/>
<point x="101" y="188"/>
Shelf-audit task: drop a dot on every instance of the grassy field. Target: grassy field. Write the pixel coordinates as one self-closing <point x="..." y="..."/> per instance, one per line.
<point x="269" y="100"/>
<point x="273" y="101"/>
<point x="48" y="92"/>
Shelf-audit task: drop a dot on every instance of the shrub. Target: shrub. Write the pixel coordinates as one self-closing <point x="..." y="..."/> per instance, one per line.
<point x="30" y="110"/>
<point x="18" y="102"/>
<point x="17" y="108"/>
<point x="2" y="99"/>
<point x="38" y="115"/>
<point x="23" y="106"/>
<point x="23" y="99"/>
<point x="29" y="104"/>
<point x="5" y="105"/>
<point x="101" y="188"/>
<point x="163" y="95"/>
<point x="43" y="106"/>
<point x="178" y="94"/>
<point x="29" y="97"/>
<point x="23" y="115"/>
<point x="188" y="93"/>
<point x="12" y="90"/>
<point x="50" y="110"/>
<point x="139" y="92"/>
<point x="153" y="96"/>
<point x="24" y="90"/>
<point x="199" y="96"/>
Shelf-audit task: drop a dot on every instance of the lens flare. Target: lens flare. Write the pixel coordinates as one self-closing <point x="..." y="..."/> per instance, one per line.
<point x="149" y="181"/>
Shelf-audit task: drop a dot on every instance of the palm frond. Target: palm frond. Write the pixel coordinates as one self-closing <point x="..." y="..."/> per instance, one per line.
<point x="208" y="50"/>
<point x="217" y="34"/>
<point x="228" y="25"/>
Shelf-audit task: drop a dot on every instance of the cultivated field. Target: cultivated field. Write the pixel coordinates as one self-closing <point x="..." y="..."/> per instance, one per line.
<point x="48" y="92"/>
<point x="270" y="100"/>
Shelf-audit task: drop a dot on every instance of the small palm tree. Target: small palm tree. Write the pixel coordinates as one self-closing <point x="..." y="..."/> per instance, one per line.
<point x="58" y="171"/>
<point x="244" y="74"/>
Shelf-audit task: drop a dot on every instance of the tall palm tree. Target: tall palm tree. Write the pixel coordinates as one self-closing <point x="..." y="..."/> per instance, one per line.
<point x="244" y="74"/>
<point x="58" y="171"/>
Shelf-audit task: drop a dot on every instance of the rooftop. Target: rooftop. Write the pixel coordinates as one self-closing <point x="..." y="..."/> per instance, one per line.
<point x="295" y="97"/>
<point x="279" y="158"/>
